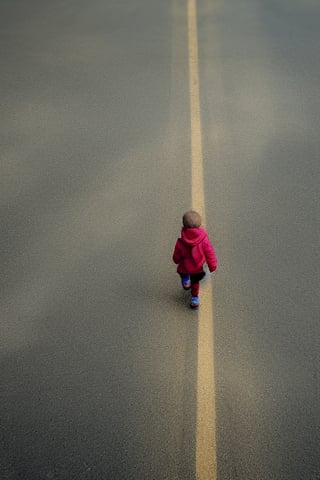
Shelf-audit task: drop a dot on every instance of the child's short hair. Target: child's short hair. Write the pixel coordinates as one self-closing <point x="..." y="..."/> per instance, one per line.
<point x="191" y="219"/>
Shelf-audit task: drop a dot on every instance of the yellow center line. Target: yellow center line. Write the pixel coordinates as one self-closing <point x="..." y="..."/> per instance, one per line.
<point x="206" y="465"/>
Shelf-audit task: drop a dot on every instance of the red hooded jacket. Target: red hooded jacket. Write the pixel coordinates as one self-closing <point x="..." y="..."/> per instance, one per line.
<point x="192" y="250"/>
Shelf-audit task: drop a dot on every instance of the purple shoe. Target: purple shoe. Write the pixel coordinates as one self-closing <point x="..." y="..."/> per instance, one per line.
<point x="195" y="302"/>
<point x="186" y="282"/>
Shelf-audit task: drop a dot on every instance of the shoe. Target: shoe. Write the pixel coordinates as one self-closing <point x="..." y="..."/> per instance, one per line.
<point x="186" y="283"/>
<point x="195" y="302"/>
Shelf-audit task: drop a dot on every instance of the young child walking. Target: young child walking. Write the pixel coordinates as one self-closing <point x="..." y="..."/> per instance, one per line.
<point x="191" y="251"/>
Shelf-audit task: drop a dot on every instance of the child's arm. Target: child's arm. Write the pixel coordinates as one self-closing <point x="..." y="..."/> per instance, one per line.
<point x="177" y="254"/>
<point x="210" y="254"/>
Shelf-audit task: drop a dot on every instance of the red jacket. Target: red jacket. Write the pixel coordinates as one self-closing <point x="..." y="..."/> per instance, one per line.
<point x="192" y="250"/>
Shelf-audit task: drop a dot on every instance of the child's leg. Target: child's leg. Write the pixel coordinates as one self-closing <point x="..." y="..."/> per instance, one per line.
<point x="185" y="280"/>
<point x="195" y="287"/>
<point x="195" y="283"/>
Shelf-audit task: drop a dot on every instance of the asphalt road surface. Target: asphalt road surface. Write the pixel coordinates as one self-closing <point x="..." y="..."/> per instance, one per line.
<point x="98" y="345"/>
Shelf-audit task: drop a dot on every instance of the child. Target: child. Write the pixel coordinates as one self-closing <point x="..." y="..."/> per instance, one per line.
<point x="191" y="251"/>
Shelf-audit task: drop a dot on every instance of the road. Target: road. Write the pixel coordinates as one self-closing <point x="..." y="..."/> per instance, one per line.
<point x="98" y="346"/>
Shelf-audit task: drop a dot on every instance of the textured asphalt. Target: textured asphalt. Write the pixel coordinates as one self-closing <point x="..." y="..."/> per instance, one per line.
<point x="260" y="76"/>
<point x="98" y="348"/>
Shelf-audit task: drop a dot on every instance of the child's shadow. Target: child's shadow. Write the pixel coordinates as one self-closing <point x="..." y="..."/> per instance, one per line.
<point x="168" y="293"/>
<point x="180" y="298"/>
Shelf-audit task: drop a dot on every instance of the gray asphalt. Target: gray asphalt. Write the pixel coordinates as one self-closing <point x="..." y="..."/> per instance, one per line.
<point x="98" y="348"/>
<point x="261" y="116"/>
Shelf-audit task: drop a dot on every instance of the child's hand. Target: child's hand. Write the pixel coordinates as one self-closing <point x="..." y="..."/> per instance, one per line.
<point x="207" y="270"/>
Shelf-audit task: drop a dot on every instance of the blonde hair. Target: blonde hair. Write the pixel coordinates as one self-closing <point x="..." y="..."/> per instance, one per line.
<point x="191" y="219"/>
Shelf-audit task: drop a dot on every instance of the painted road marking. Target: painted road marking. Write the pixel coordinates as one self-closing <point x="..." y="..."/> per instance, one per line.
<point x="206" y="464"/>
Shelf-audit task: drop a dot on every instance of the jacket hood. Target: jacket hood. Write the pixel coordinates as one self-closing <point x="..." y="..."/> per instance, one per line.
<point x="193" y="236"/>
